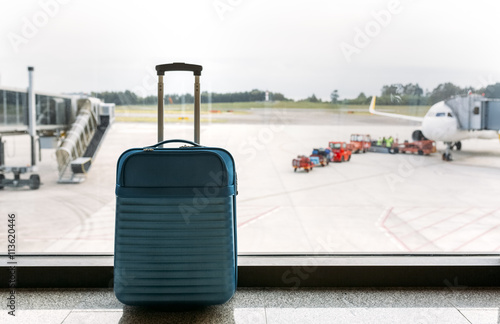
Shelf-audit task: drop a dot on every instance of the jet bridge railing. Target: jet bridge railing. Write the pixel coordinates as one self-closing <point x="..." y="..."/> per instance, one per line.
<point x="78" y="138"/>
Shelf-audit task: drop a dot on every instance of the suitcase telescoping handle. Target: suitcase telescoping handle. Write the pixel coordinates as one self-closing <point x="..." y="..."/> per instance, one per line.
<point x="160" y="71"/>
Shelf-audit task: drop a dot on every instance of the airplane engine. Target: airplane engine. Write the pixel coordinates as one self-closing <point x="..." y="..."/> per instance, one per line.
<point x="418" y="135"/>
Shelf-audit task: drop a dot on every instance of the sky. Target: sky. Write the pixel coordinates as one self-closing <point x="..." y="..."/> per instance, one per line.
<point x="298" y="48"/>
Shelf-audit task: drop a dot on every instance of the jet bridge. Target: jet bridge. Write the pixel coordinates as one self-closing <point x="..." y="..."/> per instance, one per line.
<point x="81" y="143"/>
<point x="476" y="112"/>
<point x="72" y="125"/>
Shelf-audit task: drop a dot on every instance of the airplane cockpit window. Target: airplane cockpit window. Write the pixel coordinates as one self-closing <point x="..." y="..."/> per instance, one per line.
<point x="440" y="114"/>
<point x="450" y="115"/>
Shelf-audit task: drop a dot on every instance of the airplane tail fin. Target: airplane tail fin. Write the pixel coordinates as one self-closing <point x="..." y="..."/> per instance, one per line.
<point x="372" y="105"/>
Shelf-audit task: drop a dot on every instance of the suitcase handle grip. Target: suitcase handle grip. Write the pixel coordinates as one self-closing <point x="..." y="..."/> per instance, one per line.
<point x="196" y="69"/>
<point x="161" y="69"/>
<point x="175" y="141"/>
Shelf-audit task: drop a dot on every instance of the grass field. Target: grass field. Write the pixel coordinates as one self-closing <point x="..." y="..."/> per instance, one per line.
<point x="134" y="119"/>
<point x="224" y="106"/>
<point x="243" y="107"/>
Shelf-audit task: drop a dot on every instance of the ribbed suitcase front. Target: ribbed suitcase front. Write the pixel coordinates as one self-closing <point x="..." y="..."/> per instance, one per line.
<point x="175" y="234"/>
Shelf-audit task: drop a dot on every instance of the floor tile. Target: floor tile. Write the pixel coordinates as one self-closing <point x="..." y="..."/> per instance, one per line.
<point x="249" y="315"/>
<point x="47" y="298"/>
<point x="386" y="297"/>
<point x="207" y="315"/>
<point x="99" y="299"/>
<point x="76" y="317"/>
<point x="482" y="315"/>
<point x="364" y="315"/>
<point x="451" y="304"/>
<point x="477" y="297"/>
<point x="46" y="316"/>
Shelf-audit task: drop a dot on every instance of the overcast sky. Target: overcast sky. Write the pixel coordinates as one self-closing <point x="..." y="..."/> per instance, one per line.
<point x="294" y="47"/>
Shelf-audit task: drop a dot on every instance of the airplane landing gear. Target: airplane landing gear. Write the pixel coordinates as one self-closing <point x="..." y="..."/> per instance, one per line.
<point x="447" y="157"/>
<point x="447" y="153"/>
<point x="457" y="145"/>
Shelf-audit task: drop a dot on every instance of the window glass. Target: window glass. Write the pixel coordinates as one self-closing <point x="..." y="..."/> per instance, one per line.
<point x="279" y="79"/>
<point x="3" y="111"/>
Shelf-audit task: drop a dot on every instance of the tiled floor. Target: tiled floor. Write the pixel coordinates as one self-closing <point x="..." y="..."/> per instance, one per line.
<point x="447" y="305"/>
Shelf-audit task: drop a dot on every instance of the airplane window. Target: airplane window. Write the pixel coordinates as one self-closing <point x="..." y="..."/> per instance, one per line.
<point x="279" y="79"/>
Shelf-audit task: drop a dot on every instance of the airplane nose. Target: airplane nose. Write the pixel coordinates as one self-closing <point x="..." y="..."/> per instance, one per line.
<point x="434" y="129"/>
<point x="427" y="130"/>
<point x="439" y="128"/>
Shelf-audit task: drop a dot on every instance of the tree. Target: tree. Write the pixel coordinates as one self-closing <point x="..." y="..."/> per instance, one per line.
<point x="334" y="96"/>
<point x="412" y="90"/>
<point x="313" y="98"/>
<point x="393" y="89"/>
<point x="361" y="97"/>
<point x="130" y="98"/>
<point x="399" y="94"/>
<point x="492" y="91"/>
<point x="444" y="91"/>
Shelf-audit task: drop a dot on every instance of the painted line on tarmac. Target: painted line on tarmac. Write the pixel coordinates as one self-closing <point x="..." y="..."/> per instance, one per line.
<point x="407" y="221"/>
<point x="394" y="237"/>
<point x="247" y="222"/>
<point x="418" y="230"/>
<point x="457" y="229"/>
<point x="476" y="237"/>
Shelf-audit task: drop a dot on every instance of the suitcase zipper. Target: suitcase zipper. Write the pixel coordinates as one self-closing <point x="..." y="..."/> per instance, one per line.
<point x="151" y="149"/>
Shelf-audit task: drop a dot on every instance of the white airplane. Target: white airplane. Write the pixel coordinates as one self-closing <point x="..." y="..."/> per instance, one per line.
<point x="441" y="122"/>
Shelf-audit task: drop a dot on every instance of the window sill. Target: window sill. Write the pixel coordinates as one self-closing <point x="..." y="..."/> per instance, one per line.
<point x="285" y="270"/>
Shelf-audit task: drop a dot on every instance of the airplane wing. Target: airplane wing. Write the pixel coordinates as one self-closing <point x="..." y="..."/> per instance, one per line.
<point x="374" y="112"/>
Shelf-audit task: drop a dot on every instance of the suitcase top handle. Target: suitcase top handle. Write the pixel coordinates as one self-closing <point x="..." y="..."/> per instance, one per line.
<point x="161" y="69"/>
<point x="175" y="141"/>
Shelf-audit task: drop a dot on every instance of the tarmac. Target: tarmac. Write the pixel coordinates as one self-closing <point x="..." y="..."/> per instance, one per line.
<point x="375" y="203"/>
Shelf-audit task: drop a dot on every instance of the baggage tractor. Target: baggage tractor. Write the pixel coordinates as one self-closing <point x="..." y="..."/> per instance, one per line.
<point x="175" y="233"/>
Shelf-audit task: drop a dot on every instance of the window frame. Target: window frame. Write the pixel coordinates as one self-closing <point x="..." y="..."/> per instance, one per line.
<point x="283" y="270"/>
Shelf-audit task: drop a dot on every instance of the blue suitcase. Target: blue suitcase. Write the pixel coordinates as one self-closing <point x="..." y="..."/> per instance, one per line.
<point x="175" y="232"/>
